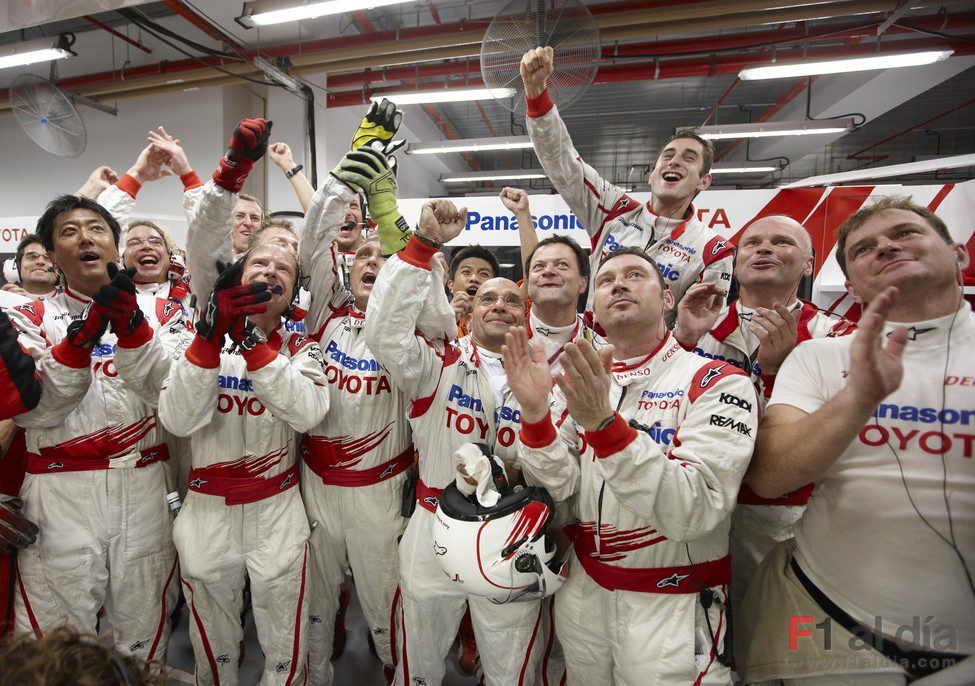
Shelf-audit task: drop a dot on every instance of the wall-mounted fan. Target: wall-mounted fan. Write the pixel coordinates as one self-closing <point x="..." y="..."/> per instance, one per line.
<point x="48" y="115"/>
<point x="566" y="25"/>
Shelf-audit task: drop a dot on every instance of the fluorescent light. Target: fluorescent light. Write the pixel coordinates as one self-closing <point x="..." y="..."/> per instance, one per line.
<point x="32" y="52"/>
<point x="922" y="167"/>
<point x="794" y="69"/>
<point x="265" y="13"/>
<point x="776" y="128"/>
<point x="742" y="170"/>
<point x="471" y="145"/>
<point x="452" y="95"/>
<point x="498" y="175"/>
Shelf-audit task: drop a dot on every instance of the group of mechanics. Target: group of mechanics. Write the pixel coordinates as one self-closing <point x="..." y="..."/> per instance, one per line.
<point x="737" y="505"/>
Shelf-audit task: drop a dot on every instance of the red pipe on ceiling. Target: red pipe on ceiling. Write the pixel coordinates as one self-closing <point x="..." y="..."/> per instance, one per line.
<point x="121" y="36"/>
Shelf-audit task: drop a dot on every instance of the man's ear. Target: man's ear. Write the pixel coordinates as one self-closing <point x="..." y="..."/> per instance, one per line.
<point x="450" y="286"/>
<point x="669" y="301"/>
<point x="582" y="289"/>
<point x="853" y="294"/>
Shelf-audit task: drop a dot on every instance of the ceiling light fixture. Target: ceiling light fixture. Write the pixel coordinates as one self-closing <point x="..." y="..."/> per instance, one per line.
<point x="743" y="170"/>
<point x="34" y="51"/>
<point x="451" y="95"/>
<point x="925" y="166"/>
<point x="268" y="12"/>
<point x="891" y="61"/>
<point x="496" y="175"/>
<point x="770" y="129"/>
<point x="470" y="145"/>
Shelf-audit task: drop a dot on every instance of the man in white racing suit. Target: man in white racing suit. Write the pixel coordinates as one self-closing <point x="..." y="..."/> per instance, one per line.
<point x="456" y="395"/>
<point x="654" y="443"/>
<point x="97" y="474"/>
<point x="666" y="227"/>
<point x="241" y="405"/>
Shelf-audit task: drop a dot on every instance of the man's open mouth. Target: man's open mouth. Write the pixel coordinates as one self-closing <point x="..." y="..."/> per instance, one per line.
<point x="671" y="176"/>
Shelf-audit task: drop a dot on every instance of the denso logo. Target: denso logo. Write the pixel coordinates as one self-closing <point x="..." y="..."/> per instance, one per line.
<point x="464" y="400"/>
<point x="363" y="365"/>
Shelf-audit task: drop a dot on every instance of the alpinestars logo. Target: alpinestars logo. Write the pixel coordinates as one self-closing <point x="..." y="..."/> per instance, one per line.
<point x="387" y="472"/>
<point x="282" y="666"/>
<point x="718" y="247"/>
<point x="286" y="482"/>
<point x="673" y="580"/>
<point x="198" y="482"/>
<point x="430" y="500"/>
<point x="223" y="659"/>
<point x="545" y="331"/>
<point x="712" y="374"/>
<point x="138" y="645"/>
<point x="914" y="332"/>
<point x="56" y="465"/>
<point x="439" y="549"/>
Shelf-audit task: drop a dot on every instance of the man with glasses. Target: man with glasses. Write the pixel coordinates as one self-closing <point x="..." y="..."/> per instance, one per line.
<point x="38" y="280"/>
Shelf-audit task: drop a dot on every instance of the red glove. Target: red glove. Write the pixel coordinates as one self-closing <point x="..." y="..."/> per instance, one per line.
<point x="16" y="531"/>
<point x="116" y="301"/>
<point x="229" y="302"/>
<point x="247" y="145"/>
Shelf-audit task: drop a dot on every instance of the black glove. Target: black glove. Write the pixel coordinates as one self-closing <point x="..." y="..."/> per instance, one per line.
<point x="246" y="334"/>
<point x="16" y="532"/>
<point x="18" y="366"/>
<point x="230" y="301"/>
<point x="117" y="302"/>
<point x="88" y="329"/>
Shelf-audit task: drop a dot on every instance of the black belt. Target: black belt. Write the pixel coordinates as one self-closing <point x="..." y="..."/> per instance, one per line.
<point x="917" y="663"/>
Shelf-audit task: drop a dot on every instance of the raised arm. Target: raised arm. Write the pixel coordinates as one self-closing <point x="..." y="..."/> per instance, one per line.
<point x="584" y="190"/>
<point x="403" y="288"/>
<point x="516" y="201"/>
<point x="280" y="154"/>
<point x="317" y="250"/>
<point x="210" y="208"/>
<point x="804" y="432"/>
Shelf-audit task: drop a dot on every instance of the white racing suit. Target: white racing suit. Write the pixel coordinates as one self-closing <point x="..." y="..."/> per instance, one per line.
<point x="653" y="493"/>
<point x="242" y="515"/>
<point x="758" y="524"/>
<point x="686" y="251"/>
<point x="355" y="460"/>
<point x="456" y="397"/>
<point x="96" y="486"/>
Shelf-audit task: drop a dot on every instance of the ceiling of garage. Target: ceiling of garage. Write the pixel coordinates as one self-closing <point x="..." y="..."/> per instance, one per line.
<point x="684" y="73"/>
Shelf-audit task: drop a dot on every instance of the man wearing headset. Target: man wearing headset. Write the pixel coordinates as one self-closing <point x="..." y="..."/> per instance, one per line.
<point x="755" y="333"/>
<point x="882" y="422"/>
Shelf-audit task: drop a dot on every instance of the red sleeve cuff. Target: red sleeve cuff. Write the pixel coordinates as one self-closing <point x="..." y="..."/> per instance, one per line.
<point x="190" y="180"/>
<point x="538" y="434"/>
<point x="139" y="337"/>
<point x="71" y="355"/>
<point x="613" y="438"/>
<point x="539" y="106"/>
<point x="204" y="353"/>
<point x="129" y="185"/>
<point x="261" y="355"/>
<point x="418" y="253"/>
<point x="768" y="381"/>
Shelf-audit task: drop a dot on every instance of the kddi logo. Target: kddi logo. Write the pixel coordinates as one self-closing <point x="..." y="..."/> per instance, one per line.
<point x="729" y="399"/>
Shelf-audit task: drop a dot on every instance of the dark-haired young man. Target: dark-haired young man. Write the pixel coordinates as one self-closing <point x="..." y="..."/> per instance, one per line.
<point x="97" y="479"/>
<point x="38" y="277"/>
<point x="470" y="266"/>
<point x="666" y="227"/>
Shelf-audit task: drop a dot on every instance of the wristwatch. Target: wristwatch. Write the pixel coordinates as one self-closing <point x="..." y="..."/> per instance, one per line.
<point x="294" y="170"/>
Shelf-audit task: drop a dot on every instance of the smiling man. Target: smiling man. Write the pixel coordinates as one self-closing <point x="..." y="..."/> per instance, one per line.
<point x="648" y="443"/>
<point x="37" y="274"/>
<point x="97" y="482"/>
<point x="882" y="423"/>
<point x="666" y="227"/>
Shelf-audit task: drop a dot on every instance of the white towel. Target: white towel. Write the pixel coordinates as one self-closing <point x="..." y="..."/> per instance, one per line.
<point x="477" y="466"/>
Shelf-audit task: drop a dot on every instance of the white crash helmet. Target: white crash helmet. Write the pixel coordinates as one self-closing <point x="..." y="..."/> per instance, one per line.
<point x="500" y="552"/>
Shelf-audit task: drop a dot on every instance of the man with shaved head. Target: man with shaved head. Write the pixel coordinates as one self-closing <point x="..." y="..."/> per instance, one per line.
<point x="457" y="395"/>
<point x="757" y="332"/>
